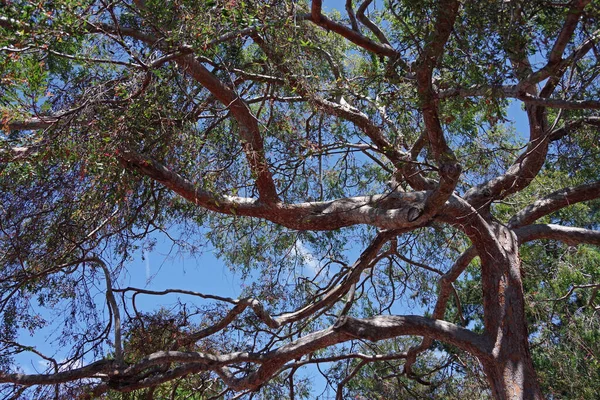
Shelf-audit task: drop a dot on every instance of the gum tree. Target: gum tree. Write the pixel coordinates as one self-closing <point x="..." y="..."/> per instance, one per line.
<point x="279" y="134"/>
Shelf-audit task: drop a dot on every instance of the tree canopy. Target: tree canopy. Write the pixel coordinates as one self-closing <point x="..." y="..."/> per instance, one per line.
<point x="436" y="162"/>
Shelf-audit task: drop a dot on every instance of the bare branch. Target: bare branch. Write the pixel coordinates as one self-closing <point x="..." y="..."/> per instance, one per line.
<point x="388" y="211"/>
<point x="354" y="36"/>
<point x="367" y="260"/>
<point x="360" y="13"/>
<point x="554" y="202"/>
<point x="572" y="289"/>
<point x="445" y="289"/>
<point x="569" y="235"/>
<point x="558" y="103"/>
<point x="110" y="298"/>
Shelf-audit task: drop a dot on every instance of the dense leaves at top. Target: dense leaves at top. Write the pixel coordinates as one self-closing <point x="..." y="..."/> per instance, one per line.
<point x="288" y="138"/>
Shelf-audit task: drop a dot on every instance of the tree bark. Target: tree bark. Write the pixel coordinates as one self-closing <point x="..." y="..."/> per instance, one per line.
<point x="509" y="367"/>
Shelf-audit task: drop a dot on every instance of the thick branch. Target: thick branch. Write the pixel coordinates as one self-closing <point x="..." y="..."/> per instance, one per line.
<point x="446" y="16"/>
<point x="554" y="202"/>
<point x="60" y="377"/>
<point x="252" y="141"/>
<point x="559" y="103"/>
<point x="360" y="13"/>
<point x="389" y="211"/>
<point x="569" y="235"/>
<point x="373" y="329"/>
<point x="449" y="168"/>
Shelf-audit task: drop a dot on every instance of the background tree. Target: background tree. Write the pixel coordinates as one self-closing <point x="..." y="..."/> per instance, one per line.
<point x="270" y="130"/>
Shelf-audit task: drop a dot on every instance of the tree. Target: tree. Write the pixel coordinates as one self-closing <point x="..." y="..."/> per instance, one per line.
<point x="280" y="134"/>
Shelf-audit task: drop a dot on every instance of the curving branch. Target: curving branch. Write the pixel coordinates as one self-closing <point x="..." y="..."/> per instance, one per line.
<point x="347" y="328"/>
<point x="249" y="130"/>
<point x="446" y="288"/>
<point x="374" y="329"/>
<point x="571" y="126"/>
<point x="555" y="56"/>
<point x="554" y="202"/>
<point x="352" y="35"/>
<point x="341" y="110"/>
<point x="447" y="11"/>
<point x="240" y="305"/>
<point x="386" y="211"/>
<point x="352" y="16"/>
<point x="567" y="234"/>
<point x="449" y="168"/>
<point x="360" y="13"/>
<point x="114" y="307"/>
<point x="529" y="163"/>
<point x="368" y="259"/>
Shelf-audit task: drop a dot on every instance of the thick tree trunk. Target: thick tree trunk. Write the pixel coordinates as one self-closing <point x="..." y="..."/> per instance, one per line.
<point x="509" y="368"/>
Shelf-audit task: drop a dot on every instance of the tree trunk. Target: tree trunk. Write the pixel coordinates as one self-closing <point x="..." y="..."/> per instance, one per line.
<point x="509" y="368"/>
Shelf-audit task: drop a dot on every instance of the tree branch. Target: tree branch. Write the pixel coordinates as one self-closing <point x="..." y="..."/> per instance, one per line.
<point x="554" y="202"/>
<point x="564" y="37"/>
<point x="252" y="141"/>
<point x="360" y="13"/>
<point x="386" y="211"/>
<point x="569" y="235"/>
<point x="559" y="103"/>
<point x="367" y="259"/>
<point x="449" y="168"/>
<point x="353" y="36"/>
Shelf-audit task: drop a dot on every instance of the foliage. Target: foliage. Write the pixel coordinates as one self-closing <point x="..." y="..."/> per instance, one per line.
<point x="355" y="167"/>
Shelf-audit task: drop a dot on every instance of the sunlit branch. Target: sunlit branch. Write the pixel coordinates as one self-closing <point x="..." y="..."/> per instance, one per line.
<point x="554" y="202"/>
<point x="360" y="13"/>
<point x="353" y="36"/>
<point x="367" y="260"/>
<point x="110" y="298"/>
<point x="569" y="235"/>
<point x="446" y="287"/>
<point x="373" y="329"/>
<point x="341" y="110"/>
<point x="387" y="211"/>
